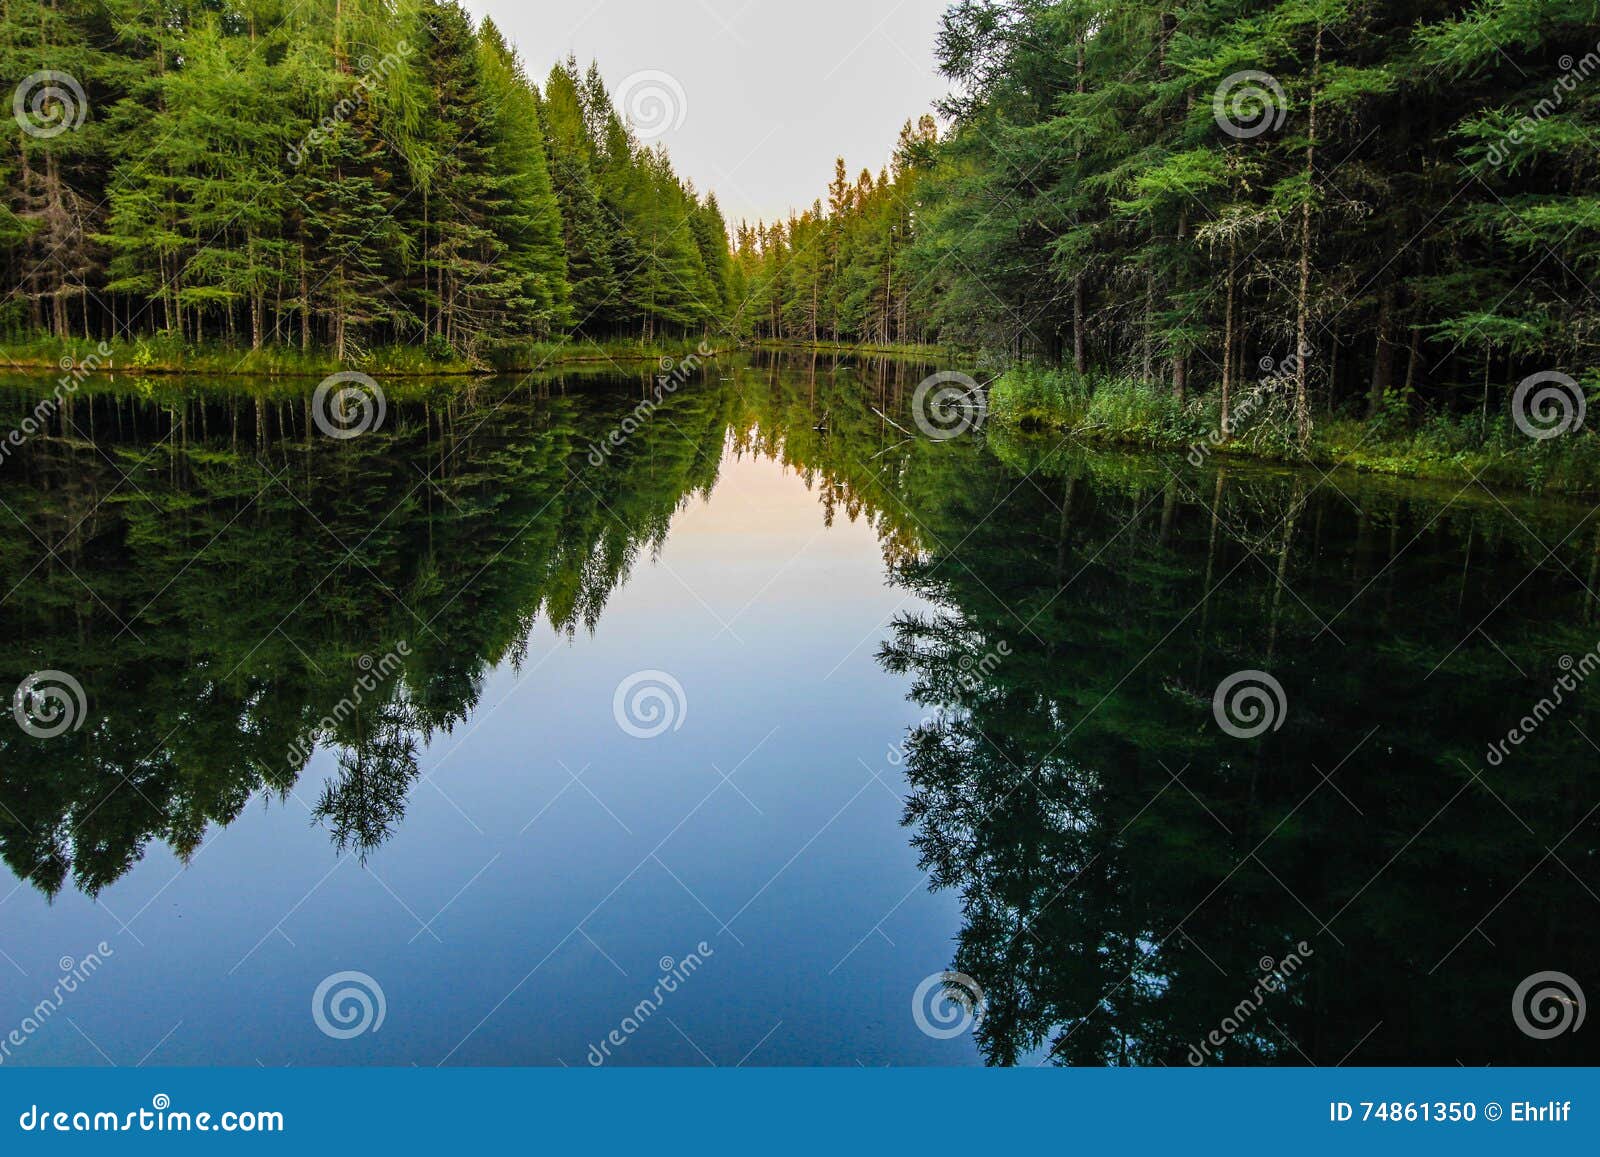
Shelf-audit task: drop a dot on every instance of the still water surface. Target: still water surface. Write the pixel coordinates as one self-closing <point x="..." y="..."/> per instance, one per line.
<point x="929" y="705"/>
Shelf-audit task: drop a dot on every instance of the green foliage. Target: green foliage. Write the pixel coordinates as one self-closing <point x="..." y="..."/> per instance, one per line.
<point x="841" y="273"/>
<point x="1392" y="440"/>
<point x="1405" y="195"/>
<point x="340" y="176"/>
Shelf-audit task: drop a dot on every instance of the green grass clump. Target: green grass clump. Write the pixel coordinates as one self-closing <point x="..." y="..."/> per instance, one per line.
<point x="1435" y="445"/>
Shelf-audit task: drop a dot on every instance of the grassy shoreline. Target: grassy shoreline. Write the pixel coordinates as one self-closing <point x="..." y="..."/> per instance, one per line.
<point x="926" y="353"/>
<point x="1435" y="447"/>
<point x="160" y="356"/>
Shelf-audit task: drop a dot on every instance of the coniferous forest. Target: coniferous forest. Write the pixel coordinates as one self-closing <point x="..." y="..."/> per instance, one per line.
<point x="1110" y="578"/>
<point x="1344" y="229"/>
<point x="337" y="174"/>
<point x="1391" y="210"/>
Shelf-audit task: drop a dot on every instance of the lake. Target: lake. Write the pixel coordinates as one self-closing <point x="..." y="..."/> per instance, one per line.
<point x="554" y="721"/>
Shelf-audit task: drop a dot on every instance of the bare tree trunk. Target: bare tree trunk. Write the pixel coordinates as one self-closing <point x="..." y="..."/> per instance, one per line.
<point x="1227" y="344"/>
<point x="1302" y="393"/>
<point x="1079" y="363"/>
<point x="1383" y="362"/>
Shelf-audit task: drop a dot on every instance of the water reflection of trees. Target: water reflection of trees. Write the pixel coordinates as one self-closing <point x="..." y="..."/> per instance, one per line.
<point x="1124" y="866"/>
<point x="222" y="578"/>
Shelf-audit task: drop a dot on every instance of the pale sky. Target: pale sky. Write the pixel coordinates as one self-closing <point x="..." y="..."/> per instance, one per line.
<point x="771" y="92"/>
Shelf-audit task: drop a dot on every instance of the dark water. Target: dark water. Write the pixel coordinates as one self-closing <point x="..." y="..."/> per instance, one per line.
<point x="352" y="706"/>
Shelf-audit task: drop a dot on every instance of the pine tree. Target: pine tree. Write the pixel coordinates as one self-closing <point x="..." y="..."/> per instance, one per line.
<point x="529" y="227"/>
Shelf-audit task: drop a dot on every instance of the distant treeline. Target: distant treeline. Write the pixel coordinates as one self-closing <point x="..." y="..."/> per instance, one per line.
<point x="331" y="173"/>
<point x="1405" y="193"/>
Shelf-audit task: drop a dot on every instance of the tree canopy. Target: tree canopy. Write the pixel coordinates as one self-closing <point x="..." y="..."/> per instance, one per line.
<point x="335" y="173"/>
